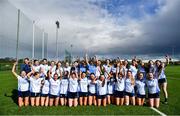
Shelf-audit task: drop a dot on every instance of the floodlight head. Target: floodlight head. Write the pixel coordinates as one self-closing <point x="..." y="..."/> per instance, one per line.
<point x="57" y="23"/>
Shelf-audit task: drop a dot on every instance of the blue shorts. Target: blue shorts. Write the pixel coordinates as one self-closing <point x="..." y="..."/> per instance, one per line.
<point x="155" y="95"/>
<point x="83" y="94"/>
<point x="53" y="96"/>
<point x="35" y="94"/>
<point x="141" y="96"/>
<point x="129" y="94"/>
<point x="23" y="94"/>
<point x="110" y="94"/>
<point x="63" y="95"/>
<point x="91" y="94"/>
<point x="44" y="95"/>
<point x="160" y="81"/>
<point x="101" y="96"/>
<point x="72" y="95"/>
<point x="119" y="94"/>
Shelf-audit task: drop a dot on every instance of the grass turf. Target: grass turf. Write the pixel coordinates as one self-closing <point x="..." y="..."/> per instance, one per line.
<point x="8" y="100"/>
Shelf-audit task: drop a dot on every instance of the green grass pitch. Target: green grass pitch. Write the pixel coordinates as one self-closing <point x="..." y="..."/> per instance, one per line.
<point x="8" y="101"/>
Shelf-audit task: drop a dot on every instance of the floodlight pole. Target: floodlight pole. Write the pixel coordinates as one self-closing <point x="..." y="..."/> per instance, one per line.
<point x="17" y="42"/>
<point x="43" y="45"/>
<point x="33" y="37"/>
<point x="57" y="28"/>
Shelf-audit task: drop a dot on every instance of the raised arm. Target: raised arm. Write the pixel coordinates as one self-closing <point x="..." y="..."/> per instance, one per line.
<point x="86" y="59"/>
<point x="13" y="69"/>
<point x="29" y="74"/>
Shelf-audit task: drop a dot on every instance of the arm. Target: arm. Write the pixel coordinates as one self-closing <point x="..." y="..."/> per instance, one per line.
<point x="13" y="70"/>
<point x="29" y="74"/>
<point x="86" y="59"/>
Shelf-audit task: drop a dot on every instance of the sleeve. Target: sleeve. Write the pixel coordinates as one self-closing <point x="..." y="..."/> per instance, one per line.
<point x="18" y="77"/>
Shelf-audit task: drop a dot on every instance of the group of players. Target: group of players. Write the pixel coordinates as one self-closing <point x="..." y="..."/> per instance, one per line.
<point x="91" y="82"/>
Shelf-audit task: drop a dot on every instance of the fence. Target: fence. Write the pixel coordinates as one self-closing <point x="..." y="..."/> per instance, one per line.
<point x="8" y="34"/>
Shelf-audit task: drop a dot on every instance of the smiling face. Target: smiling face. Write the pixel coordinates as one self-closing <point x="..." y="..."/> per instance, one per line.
<point x="101" y="78"/>
<point x="150" y="76"/>
<point x="55" y="76"/>
<point x="92" y="76"/>
<point x="83" y="75"/>
<point x="140" y="76"/>
<point x="129" y="74"/>
<point x="23" y="74"/>
<point x="26" y="61"/>
<point x="36" y="63"/>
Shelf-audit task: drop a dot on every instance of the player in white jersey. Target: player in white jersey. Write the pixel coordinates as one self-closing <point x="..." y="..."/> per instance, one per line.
<point x="59" y="69"/>
<point x="35" y="87"/>
<point x="23" y="87"/>
<point x="110" y="88"/>
<point x="64" y="88"/>
<point x="141" y="89"/>
<point x="67" y="68"/>
<point x="92" y="90"/>
<point x="102" y="90"/>
<point x="45" y="90"/>
<point x="119" y="88"/>
<point x="83" y="89"/>
<point x="52" y="67"/>
<point x="107" y="68"/>
<point x="54" y="90"/>
<point x="160" y="74"/>
<point x="36" y="67"/>
<point x="44" y="66"/>
<point x="153" y="91"/>
<point x="133" y="68"/>
<point x="73" y="90"/>
<point x="98" y="69"/>
<point x="129" y="88"/>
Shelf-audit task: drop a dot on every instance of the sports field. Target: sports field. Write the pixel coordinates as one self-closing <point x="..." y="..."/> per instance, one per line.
<point x="8" y="100"/>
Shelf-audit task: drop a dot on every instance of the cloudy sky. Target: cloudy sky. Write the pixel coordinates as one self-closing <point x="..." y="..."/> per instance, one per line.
<point x="108" y="27"/>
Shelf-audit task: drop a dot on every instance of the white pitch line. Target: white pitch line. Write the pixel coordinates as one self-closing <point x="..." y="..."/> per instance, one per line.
<point x="156" y="110"/>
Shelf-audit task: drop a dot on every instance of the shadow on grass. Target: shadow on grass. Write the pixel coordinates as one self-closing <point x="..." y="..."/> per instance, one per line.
<point x="14" y="95"/>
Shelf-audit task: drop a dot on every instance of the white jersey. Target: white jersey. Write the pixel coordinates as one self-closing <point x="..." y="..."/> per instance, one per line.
<point x="92" y="87"/>
<point x="45" y="68"/>
<point x="64" y="86"/>
<point x="83" y="85"/>
<point x="35" y="84"/>
<point x="120" y="84"/>
<point x="54" y="86"/>
<point x="45" y="88"/>
<point x="153" y="86"/>
<point x="113" y="69"/>
<point x="101" y="90"/>
<point x="73" y="85"/>
<point x="36" y="68"/>
<point x="59" y="70"/>
<point x="134" y="70"/>
<point x="141" y="87"/>
<point x="128" y="86"/>
<point x="23" y="84"/>
<point x="98" y="71"/>
<point x="110" y="86"/>
<point x="107" y="70"/>
<point x="162" y="74"/>
<point x="52" y="69"/>
<point x="67" y="69"/>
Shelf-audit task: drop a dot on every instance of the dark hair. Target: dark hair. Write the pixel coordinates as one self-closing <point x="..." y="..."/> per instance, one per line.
<point x="47" y="77"/>
<point x="44" y="59"/>
<point x="92" y="74"/>
<point x="36" y="73"/>
<point x="35" y="60"/>
<point x="26" y="58"/>
<point x="103" y="82"/>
